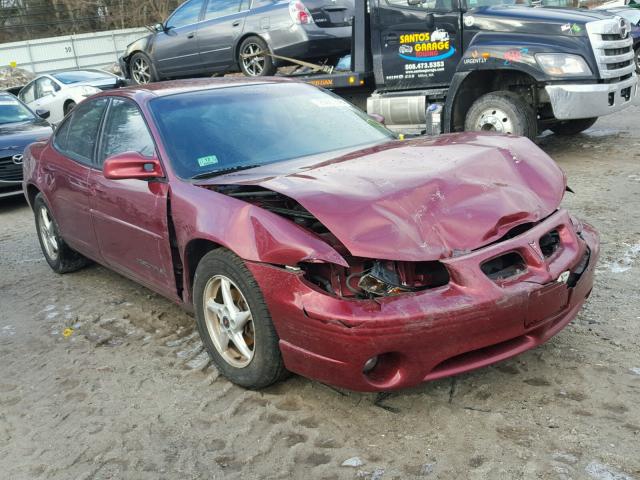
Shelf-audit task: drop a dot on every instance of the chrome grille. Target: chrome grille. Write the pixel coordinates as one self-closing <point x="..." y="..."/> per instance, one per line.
<point x="9" y="171"/>
<point x="612" y="47"/>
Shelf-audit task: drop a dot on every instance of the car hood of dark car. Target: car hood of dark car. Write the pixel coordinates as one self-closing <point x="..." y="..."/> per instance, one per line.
<point x="419" y="200"/>
<point x="15" y="137"/>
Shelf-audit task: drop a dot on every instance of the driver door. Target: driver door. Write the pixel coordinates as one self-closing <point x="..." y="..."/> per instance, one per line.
<point x="419" y="45"/>
<point x="175" y="50"/>
<point x="130" y="216"/>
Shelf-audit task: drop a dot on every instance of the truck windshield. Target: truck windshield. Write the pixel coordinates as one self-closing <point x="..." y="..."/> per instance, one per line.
<point x="235" y="127"/>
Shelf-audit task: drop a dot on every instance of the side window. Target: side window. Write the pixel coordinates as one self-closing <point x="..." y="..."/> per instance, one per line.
<point x="78" y="135"/>
<point x="441" y="5"/>
<point x="45" y="86"/>
<point x="28" y="93"/>
<point x="221" y="8"/>
<point x="125" y="131"/>
<point x="185" y="14"/>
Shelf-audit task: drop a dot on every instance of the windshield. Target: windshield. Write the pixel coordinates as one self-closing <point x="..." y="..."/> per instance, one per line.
<point x="79" y="76"/>
<point x="12" y="111"/>
<point x="228" y="128"/>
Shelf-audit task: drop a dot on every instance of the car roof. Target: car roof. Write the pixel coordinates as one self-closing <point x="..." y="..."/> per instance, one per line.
<point x="172" y="87"/>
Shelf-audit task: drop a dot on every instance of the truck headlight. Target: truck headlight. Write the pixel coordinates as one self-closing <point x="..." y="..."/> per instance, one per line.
<point x="562" y="65"/>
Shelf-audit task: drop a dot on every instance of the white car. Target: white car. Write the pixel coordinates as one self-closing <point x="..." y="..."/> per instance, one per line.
<point x="60" y="92"/>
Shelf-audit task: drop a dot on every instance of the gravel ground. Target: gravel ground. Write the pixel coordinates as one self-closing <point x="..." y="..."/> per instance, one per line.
<point x="101" y="378"/>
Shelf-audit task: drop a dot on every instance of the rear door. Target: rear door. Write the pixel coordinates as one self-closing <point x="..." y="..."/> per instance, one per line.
<point x="217" y="33"/>
<point x="130" y="216"/>
<point x="66" y="171"/>
<point x="417" y="46"/>
<point x="176" y="49"/>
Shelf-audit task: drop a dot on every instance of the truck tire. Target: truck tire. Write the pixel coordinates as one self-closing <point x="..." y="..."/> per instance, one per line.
<point x="502" y="112"/>
<point x="636" y="52"/>
<point x="142" y="70"/>
<point x="260" y="66"/>
<point x="234" y="322"/>
<point x="571" y="127"/>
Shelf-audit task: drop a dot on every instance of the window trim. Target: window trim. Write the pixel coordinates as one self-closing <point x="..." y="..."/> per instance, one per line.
<point x="71" y="155"/>
<point x="103" y="125"/>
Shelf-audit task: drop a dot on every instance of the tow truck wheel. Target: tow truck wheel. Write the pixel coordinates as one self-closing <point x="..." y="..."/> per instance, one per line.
<point x="502" y="112"/>
<point x="571" y="127"/>
<point x="253" y="65"/>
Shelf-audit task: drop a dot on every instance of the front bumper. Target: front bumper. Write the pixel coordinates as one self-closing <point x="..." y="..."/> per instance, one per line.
<point x="470" y="323"/>
<point x="574" y="101"/>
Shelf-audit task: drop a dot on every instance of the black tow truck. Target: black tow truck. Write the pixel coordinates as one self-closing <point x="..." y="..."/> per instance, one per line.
<point x="451" y="65"/>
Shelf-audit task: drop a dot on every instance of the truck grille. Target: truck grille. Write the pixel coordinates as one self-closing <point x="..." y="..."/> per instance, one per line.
<point x="9" y="171"/>
<point x="612" y="48"/>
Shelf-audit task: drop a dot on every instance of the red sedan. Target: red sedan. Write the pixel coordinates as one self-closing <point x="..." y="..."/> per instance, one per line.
<point x="307" y="237"/>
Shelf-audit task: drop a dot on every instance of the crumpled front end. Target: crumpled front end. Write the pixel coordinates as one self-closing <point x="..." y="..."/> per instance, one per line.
<point x="500" y="300"/>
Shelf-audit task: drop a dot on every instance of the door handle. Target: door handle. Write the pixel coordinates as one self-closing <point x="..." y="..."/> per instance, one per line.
<point x="236" y="23"/>
<point x="191" y="35"/>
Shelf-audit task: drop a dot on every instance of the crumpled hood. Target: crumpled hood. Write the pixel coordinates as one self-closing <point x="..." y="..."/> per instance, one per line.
<point x="422" y="199"/>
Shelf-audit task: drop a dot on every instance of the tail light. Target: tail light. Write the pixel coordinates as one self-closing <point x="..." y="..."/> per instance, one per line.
<point x="299" y="13"/>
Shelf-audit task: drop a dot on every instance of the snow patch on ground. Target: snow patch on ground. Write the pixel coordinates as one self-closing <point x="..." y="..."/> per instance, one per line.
<point x="604" y="472"/>
<point x="626" y="262"/>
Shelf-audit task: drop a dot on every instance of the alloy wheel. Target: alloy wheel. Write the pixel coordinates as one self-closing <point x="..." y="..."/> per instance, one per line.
<point x="253" y="65"/>
<point x="229" y="321"/>
<point x="494" y="120"/>
<point x="141" y="71"/>
<point x="47" y="233"/>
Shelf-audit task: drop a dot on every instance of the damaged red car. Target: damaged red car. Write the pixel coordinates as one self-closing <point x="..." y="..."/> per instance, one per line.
<point x="308" y="238"/>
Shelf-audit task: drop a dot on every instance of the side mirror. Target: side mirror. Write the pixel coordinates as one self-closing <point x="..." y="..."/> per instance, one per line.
<point x="377" y="117"/>
<point x="158" y="27"/>
<point x="43" y="113"/>
<point x="131" y="165"/>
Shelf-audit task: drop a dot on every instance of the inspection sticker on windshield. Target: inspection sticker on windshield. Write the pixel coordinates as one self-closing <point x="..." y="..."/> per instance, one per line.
<point x="208" y="160"/>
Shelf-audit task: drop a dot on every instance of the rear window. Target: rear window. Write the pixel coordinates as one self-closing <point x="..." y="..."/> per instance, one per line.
<point x="248" y="125"/>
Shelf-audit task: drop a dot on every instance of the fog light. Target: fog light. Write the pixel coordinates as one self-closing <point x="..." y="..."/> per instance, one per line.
<point x="370" y="364"/>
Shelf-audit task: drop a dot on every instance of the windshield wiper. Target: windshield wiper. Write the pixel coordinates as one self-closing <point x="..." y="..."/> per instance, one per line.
<point x="222" y="171"/>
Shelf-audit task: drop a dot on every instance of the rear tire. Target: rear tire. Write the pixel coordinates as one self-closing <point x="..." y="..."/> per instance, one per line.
<point x="60" y="256"/>
<point x="637" y="59"/>
<point x="502" y="112"/>
<point x="245" y="348"/>
<point x="572" y="127"/>
<point x="259" y="66"/>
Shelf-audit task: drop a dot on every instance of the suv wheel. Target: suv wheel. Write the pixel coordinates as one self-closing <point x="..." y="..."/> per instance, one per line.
<point x="253" y="65"/>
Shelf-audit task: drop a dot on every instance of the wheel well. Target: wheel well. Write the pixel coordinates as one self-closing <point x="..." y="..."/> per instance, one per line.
<point x="32" y="191"/>
<point x="480" y="82"/>
<point x="193" y="253"/>
<point x="67" y="102"/>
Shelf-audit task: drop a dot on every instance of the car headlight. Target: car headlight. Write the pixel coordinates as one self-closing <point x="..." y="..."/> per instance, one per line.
<point x="562" y="65"/>
<point x="87" y="91"/>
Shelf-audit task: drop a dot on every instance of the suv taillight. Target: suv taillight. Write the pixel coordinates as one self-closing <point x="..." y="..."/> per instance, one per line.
<point x="299" y="13"/>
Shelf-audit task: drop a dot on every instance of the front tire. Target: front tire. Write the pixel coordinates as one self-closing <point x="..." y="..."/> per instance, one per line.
<point x="572" y="127"/>
<point x="234" y="322"/>
<point x="502" y="112"/>
<point x="142" y="69"/>
<point x="68" y="107"/>
<point x="60" y="256"/>
<point x="255" y="66"/>
<point x="637" y="59"/>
